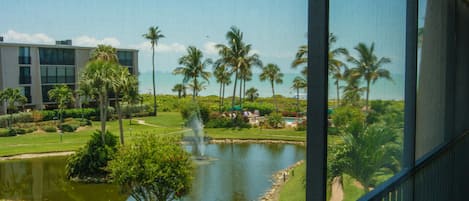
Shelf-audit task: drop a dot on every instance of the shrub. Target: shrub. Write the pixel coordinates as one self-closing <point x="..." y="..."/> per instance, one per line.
<point x="50" y="129"/>
<point x="6" y="133"/>
<point x="263" y="108"/>
<point x="227" y="123"/>
<point x="68" y="127"/>
<point x="48" y="115"/>
<point x="85" y="122"/>
<point x="22" y="117"/>
<point x="128" y="110"/>
<point x="78" y="113"/>
<point x="189" y="110"/>
<point x="275" y="121"/>
<point x="92" y="159"/>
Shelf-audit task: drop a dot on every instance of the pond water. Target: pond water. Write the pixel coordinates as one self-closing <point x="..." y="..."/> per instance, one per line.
<point x="238" y="172"/>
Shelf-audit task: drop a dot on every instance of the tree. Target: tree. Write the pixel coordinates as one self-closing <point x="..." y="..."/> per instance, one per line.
<point x="99" y="73"/>
<point x="298" y="83"/>
<point x="153" y="169"/>
<point x="12" y="97"/>
<point x="86" y="92"/>
<point x="63" y="96"/>
<point x="301" y="58"/>
<point x="197" y="87"/>
<point x="238" y="56"/>
<point x="105" y="53"/>
<point x="272" y="73"/>
<point x="180" y="89"/>
<point x="334" y="65"/>
<point x="121" y="84"/>
<point x="223" y="76"/>
<point x="153" y="35"/>
<point x="368" y="66"/>
<point x="252" y="94"/>
<point x="193" y="67"/>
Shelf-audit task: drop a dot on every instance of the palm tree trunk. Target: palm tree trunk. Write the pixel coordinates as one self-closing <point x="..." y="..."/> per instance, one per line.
<point x="219" y="95"/>
<point x="119" y="117"/>
<point x="337" y="91"/>
<point x="241" y="92"/>
<point x="194" y="89"/>
<point x="367" y="94"/>
<point x="297" y="101"/>
<point x="102" y="117"/>
<point x="223" y="97"/>
<point x="244" y="89"/>
<point x="154" y="84"/>
<point x="273" y="95"/>
<point x="234" y="90"/>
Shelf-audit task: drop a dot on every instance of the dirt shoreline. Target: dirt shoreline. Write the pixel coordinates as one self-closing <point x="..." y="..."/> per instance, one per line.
<point x="36" y="155"/>
<point x="279" y="179"/>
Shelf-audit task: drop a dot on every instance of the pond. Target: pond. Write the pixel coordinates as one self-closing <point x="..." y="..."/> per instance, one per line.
<point x="237" y="172"/>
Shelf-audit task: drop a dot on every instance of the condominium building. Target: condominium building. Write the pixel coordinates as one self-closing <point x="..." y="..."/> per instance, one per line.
<point x="37" y="68"/>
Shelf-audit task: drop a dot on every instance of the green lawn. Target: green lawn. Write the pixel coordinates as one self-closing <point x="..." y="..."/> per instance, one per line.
<point x="166" y="123"/>
<point x="294" y="189"/>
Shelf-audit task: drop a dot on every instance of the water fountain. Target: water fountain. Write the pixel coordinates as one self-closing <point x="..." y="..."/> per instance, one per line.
<point x="196" y="124"/>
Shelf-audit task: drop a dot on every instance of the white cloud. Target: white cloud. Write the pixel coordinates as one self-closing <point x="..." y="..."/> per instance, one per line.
<point x="13" y="36"/>
<point x="161" y="47"/>
<point x="93" y="42"/>
<point x="209" y="48"/>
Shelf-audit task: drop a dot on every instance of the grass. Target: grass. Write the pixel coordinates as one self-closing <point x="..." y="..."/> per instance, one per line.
<point x="351" y="191"/>
<point x="294" y="189"/>
<point x="166" y="123"/>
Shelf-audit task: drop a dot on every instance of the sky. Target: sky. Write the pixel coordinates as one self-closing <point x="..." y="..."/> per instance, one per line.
<point x="275" y="28"/>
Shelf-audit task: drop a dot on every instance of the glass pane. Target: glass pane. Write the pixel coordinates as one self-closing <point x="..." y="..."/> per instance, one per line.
<point x="366" y="94"/>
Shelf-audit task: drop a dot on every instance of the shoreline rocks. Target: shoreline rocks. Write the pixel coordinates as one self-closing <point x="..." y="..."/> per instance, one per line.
<point x="279" y="179"/>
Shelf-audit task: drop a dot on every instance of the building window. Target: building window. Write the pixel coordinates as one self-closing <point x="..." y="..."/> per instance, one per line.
<point x="57" y="74"/>
<point x="125" y="58"/>
<point x="57" y="56"/>
<point x="27" y="93"/>
<point x="25" y="75"/>
<point x="24" y="55"/>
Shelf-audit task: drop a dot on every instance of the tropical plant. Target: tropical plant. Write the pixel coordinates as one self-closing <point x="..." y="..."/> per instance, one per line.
<point x="63" y="96"/>
<point x="272" y="73"/>
<point x="86" y="92"/>
<point x="298" y="83"/>
<point x="252" y="94"/>
<point x="335" y="66"/>
<point x="223" y="76"/>
<point x="12" y="98"/>
<point x="153" y="35"/>
<point x="153" y="169"/>
<point x="105" y="53"/>
<point x="301" y="58"/>
<point x="238" y="56"/>
<point x="180" y="89"/>
<point x="197" y="87"/>
<point x="368" y="66"/>
<point x="99" y="74"/>
<point x="193" y="67"/>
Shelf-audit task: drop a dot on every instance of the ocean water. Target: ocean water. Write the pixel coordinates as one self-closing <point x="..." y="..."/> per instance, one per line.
<point x="382" y="89"/>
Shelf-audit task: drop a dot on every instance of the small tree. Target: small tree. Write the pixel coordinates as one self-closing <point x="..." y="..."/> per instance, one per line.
<point x="63" y="96"/>
<point x="12" y="97"/>
<point x="153" y="169"/>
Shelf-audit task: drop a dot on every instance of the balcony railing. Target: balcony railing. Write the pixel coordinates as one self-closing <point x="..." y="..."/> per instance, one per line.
<point x="434" y="176"/>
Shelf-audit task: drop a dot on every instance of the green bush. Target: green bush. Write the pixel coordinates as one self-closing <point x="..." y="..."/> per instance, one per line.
<point x="50" y="129"/>
<point x="275" y="121"/>
<point x="22" y="117"/>
<point x="190" y="109"/>
<point x="92" y="159"/>
<point x="6" y="133"/>
<point x="78" y="113"/>
<point x="128" y="110"/>
<point x="48" y="115"/>
<point x="85" y="122"/>
<point x="68" y="127"/>
<point x="227" y="123"/>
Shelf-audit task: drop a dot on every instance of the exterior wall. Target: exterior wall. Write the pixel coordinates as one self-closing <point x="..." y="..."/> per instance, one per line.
<point x="36" y="92"/>
<point x="9" y="75"/>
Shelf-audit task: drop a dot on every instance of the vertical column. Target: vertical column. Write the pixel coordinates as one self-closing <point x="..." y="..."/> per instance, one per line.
<point x="318" y="31"/>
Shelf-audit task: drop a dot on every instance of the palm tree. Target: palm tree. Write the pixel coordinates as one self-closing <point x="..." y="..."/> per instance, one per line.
<point x="121" y="83"/>
<point x="298" y="83"/>
<point x="181" y="89"/>
<point x="368" y="66"/>
<point x="193" y="67"/>
<point x="301" y="57"/>
<point x="12" y="97"/>
<point x="99" y="73"/>
<point x="154" y="34"/>
<point x="86" y="92"/>
<point x="63" y="96"/>
<point x="352" y="91"/>
<point x="223" y="76"/>
<point x="272" y="73"/>
<point x="238" y="56"/>
<point x="130" y="94"/>
<point x="252" y="94"/>
<point x="197" y="87"/>
<point x="105" y="53"/>
<point x="335" y="65"/>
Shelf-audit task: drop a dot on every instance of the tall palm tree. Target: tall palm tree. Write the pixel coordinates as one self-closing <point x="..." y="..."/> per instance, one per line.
<point x="12" y="97"/>
<point x="121" y="83"/>
<point x="301" y="58"/>
<point x="368" y="66"/>
<point x="63" y="96"/>
<point x="223" y="76"/>
<point x="193" y="67"/>
<point x="180" y="88"/>
<point x="197" y="86"/>
<point x="272" y="73"/>
<point x="334" y="65"/>
<point x="252" y="94"/>
<point x="154" y="34"/>
<point x="238" y="56"/>
<point x="298" y="83"/>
